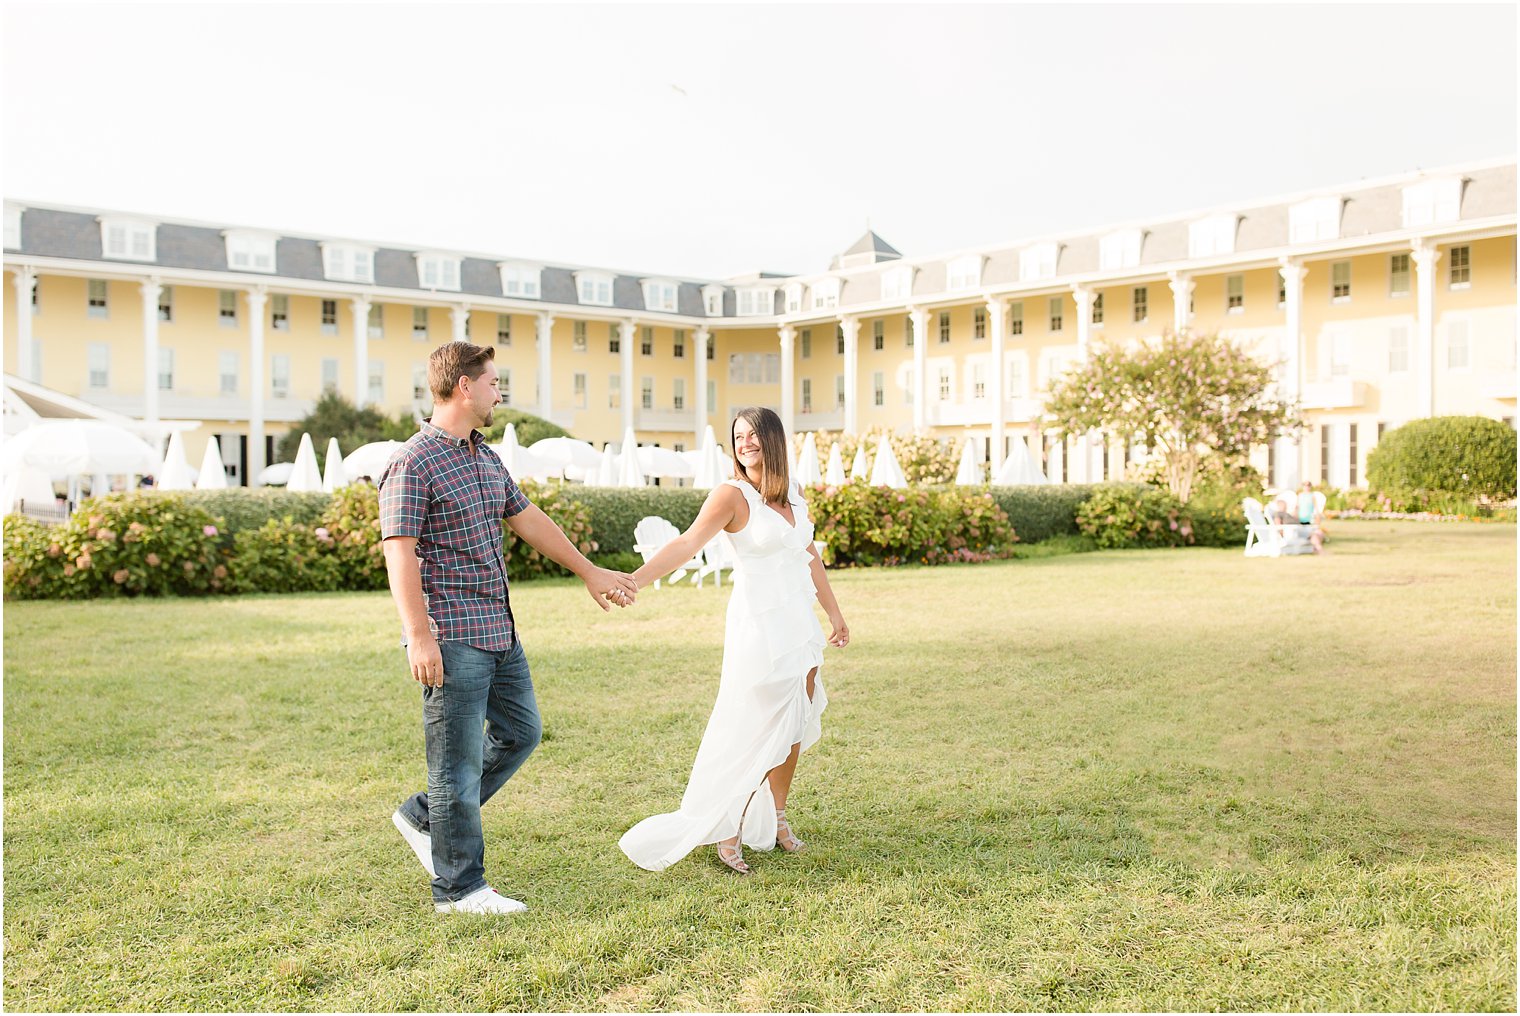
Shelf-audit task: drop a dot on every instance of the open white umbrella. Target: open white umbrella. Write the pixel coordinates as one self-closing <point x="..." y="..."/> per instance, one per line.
<point x="305" y="477"/>
<point x="27" y="484"/>
<point x="370" y="459"/>
<point x="79" y="447"/>
<point x="655" y="461"/>
<point x="860" y="469"/>
<point x="213" y="475"/>
<point x="174" y="473"/>
<point x="808" y="472"/>
<point x="970" y="472"/>
<point x="560" y="452"/>
<point x="886" y="472"/>
<point x="1019" y="468"/>
<point x="334" y="476"/>
<point x="277" y="475"/>
<point x="834" y="475"/>
<point x="628" y="462"/>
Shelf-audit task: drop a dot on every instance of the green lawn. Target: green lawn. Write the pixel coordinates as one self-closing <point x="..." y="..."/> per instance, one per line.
<point x="1125" y="780"/>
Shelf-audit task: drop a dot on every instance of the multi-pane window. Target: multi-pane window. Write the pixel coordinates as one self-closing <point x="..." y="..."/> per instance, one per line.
<point x="1057" y="310"/>
<point x="1015" y="378"/>
<point x="420" y="323"/>
<point x="660" y="296"/>
<point x="329" y="317"/>
<point x="376" y="381"/>
<point x="1458" y="353"/>
<point x="504" y="329"/>
<point x="908" y="331"/>
<point x="1340" y="354"/>
<point x="578" y="337"/>
<point x="1016" y="318"/>
<point x="520" y="280"/>
<point x="1398" y="349"/>
<point x="807" y="343"/>
<point x="756" y="301"/>
<point x="1142" y="303"/>
<point x="97" y="298"/>
<point x="279" y="312"/>
<point x="878" y="335"/>
<point x="646" y="393"/>
<point x="839" y="338"/>
<point x="435" y="272"/>
<point x="979" y="381"/>
<point x="165" y="368"/>
<point x="376" y="323"/>
<point x="100" y="365"/>
<point x="1282" y="289"/>
<point x="712" y="348"/>
<point x="227" y="309"/>
<point x="712" y="394"/>
<point x="504" y="384"/>
<point x="1097" y="309"/>
<point x="614" y="338"/>
<point x="944" y="327"/>
<point x="839" y="391"/>
<point x="979" y="323"/>
<point x="1461" y="266"/>
<point x="1340" y="281"/>
<point x="1352" y="450"/>
<point x="1235" y="294"/>
<point x="249" y="252"/>
<point x="279" y="375"/>
<point x="944" y="384"/>
<point x="646" y="341"/>
<point x="420" y="383"/>
<point x="346" y="263"/>
<point x="579" y="382"/>
<point x="878" y="389"/>
<point x="166" y="303"/>
<point x="678" y="394"/>
<point x="678" y="344"/>
<point x="595" y="289"/>
<point x="227" y="372"/>
<point x="329" y="374"/>
<point x="122" y="238"/>
<point x="807" y="395"/>
<point x="1398" y="275"/>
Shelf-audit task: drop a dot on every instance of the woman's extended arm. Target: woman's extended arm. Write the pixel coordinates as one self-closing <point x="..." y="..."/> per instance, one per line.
<point x="717" y="512"/>
<point x="840" y="636"/>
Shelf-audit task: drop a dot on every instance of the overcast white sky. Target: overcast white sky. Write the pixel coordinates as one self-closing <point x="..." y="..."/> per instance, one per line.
<point x="712" y="140"/>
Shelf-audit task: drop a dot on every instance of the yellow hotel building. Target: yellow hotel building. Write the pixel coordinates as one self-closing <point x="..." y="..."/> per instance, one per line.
<point x="1383" y="301"/>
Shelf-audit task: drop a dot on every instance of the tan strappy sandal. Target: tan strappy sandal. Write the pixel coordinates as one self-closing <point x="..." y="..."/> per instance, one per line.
<point x="785" y="838"/>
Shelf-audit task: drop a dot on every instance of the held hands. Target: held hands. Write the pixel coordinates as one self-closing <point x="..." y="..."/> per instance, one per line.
<point x="609" y="587"/>
<point x="840" y="636"/>
<point x="426" y="660"/>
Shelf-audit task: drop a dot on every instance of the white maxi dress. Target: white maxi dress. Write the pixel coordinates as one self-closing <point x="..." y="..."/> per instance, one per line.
<point x="771" y="640"/>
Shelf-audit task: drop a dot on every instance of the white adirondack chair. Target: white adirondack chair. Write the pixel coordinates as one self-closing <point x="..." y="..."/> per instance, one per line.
<point x="1266" y="539"/>
<point x="719" y="557"/>
<point x="651" y="534"/>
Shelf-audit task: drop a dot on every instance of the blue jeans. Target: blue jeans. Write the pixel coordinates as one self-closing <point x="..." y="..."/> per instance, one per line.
<point x="481" y="724"/>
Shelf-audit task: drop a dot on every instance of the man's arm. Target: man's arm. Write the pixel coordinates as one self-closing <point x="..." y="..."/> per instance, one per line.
<point x="406" y="589"/>
<point x="539" y="532"/>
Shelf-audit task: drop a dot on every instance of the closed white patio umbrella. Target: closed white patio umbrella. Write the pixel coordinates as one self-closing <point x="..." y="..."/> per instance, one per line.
<point x="629" y="474"/>
<point x="213" y="475"/>
<point x="970" y="472"/>
<point x="835" y="473"/>
<point x="886" y="472"/>
<point x="334" y="476"/>
<point x="1019" y="468"/>
<point x="860" y="469"/>
<point x="305" y="477"/>
<point x="174" y="473"/>
<point x="808" y="472"/>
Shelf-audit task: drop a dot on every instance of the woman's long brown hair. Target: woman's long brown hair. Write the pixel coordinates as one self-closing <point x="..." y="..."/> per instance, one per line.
<point x="775" y="478"/>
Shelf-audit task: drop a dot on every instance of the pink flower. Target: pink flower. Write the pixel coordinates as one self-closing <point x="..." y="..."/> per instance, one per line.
<point x="54" y="550"/>
<point x="106" y="536"/>
<point x="120" y="577"/>
<point x="82" y="561"/>
<point x="323" y="534"/>
<point x="153" y="560"/>
<point x="220" y="571"/>
<point x="209" y="530"/>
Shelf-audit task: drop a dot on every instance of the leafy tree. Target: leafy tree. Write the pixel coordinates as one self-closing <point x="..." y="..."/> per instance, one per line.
<point x="1472" y="456"/>
<point x="1186" y="396"/>
<point x="333" y="416"/>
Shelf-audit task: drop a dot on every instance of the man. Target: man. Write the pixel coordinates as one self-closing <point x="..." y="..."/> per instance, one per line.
<point x="442" y="501"/>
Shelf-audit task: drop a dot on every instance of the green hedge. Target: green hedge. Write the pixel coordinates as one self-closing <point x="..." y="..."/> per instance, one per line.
<point x="614" y="511"/>
<point x="865" y="525"/>
<point x="242" y="508"/>
<point x="1040" y="512"/>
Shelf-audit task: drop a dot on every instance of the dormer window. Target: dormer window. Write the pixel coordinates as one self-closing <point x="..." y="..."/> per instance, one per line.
<point x="348" y="262"/>
<point x="1433" y="201"/>
<point x="712" y="301"/>
<point x="438" y="271"/>
<point x="965" y="272"/>
<point x="757" y="301"/>
<point x="660" y="294"/>
<point x="519" y="280"/>
<point x="12" y="226"/>
<point x="1038" y="262"/>
<point x="1211" y="236"/>
<point x="128" y="239"/>
<point x="897" y="284"/>
<point x="1315" y="219"/>
<point x="826" y="294"/>
<point x="594" y="288"/>
<point x="793" y="297"/>
<point x="248" y="251"/>
<point x="1119" y="250"/>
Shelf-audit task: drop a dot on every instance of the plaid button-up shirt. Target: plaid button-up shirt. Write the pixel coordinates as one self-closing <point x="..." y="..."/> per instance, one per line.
<point x="451" y="495"/>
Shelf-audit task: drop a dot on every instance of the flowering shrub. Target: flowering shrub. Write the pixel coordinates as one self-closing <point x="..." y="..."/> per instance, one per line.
<point x="1131" y="516"/>
<point x="349" y="531"/>
<point x="118" y="545"/>
<point x="285" y="557"/>
<point x="867" y="525"/>
<point x="570" y="515"/>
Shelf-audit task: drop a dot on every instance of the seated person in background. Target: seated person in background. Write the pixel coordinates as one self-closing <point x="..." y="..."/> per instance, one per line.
<point x="1280" y="515"/>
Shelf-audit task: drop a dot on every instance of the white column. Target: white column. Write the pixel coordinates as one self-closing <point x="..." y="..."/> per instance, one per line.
<point x="788" y="336"/>
<point x="1084" y="299"/>
<point x="1425" y="255"/>
<point x="1182" y="298"/>
<point x="625" y="364"/>
<point x="257" y="298"/>
<point x="150" y="290"/>
<point x="997" y="320"/>
<point x="26" y="282"/>
<point x="360" y="308"/>
<point x="851" y="326"/>
<point x="703" y="337"/>
<point x="919" y="319"/>
<point x="460" y="316"/>
<point x="1291" y="452"/>
<point x="545" y="363"/>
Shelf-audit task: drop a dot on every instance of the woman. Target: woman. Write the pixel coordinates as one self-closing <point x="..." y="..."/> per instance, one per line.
<point x="769" y="697"/>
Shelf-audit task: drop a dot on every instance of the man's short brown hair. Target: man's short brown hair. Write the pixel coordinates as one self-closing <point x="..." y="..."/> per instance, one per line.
<point x="452" y="361"/>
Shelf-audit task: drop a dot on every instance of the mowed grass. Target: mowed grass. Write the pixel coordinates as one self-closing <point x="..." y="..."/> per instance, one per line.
<point x="1126" y="780"/>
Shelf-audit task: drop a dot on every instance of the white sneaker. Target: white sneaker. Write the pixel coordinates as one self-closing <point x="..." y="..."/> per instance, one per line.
<point x="420" y="842"/>
<point x="482" y="901"/>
